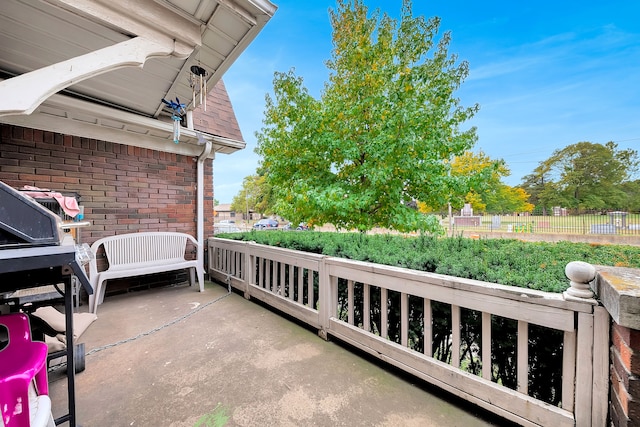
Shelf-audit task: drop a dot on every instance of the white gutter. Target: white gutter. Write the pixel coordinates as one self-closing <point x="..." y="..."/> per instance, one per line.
<point x="200" y="200"/>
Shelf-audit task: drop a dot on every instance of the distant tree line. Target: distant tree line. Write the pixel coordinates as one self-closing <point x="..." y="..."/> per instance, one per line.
<point x="586" y="176"/>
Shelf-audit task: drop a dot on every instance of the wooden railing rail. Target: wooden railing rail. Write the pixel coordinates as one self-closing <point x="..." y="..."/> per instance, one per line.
<point x="337" y="296"/>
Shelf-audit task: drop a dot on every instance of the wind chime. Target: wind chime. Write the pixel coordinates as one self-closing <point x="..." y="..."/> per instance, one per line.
<point x="198" y="83"/>
<point x="177" y="112"/>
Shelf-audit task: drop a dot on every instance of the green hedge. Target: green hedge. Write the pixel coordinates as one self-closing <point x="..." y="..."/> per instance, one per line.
<point x="506" y="261"/>
<point x="532" y="265"/>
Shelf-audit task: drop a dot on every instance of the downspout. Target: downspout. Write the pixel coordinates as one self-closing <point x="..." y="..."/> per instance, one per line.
<point x="200" y="202"/>
<point x="208" y="146"/>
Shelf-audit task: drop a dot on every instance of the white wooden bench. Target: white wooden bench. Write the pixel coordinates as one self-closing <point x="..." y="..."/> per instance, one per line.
<point x="137" y="254"/>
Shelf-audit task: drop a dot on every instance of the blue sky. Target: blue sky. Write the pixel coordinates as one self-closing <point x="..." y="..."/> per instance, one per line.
<point x="546" y="74"/>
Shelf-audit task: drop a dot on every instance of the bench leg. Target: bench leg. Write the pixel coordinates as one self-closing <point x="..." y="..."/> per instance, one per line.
<point x="192" y="276"/>
<point x="98" y="296"/>
<point x="201" y="279"/>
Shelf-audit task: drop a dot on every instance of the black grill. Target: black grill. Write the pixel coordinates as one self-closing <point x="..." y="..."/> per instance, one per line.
<point x="30" y="250"/>
<point x="25" y="222"/>
<point x="31" y="255"/>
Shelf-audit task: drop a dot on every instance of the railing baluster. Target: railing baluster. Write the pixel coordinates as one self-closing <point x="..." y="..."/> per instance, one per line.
<point x="292" y="268"/>
<point x="404" y="319"/>
<point x="262" y="280"/>
<point x="310" y="289"/>
<point x="333" y="280"/>
<point x="523" y="357"/>
<point x="249" y="271"/>
<point x="428" y="328"/>
<point x="384" y="307"/>
<point x="300" y="285"/>
<point x="234" y="263"/>
<point x="274" y="276"/>
<point x="213" y="255"/>
<point x="350" y="301"/>
<point x="243" y="266"/>
<point x="486" y="346"/>
<point x="455" y="336"/>
<point x="281" y="281"/>
<point x="366" y="307"/>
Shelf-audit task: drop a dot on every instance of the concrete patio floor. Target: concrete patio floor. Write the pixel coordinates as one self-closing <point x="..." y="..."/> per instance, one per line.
<point x="223" y="360"/>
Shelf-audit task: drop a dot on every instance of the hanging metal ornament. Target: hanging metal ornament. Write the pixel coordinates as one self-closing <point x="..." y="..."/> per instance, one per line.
<point x="198" y="83"/>
<point x="177" y="111"/>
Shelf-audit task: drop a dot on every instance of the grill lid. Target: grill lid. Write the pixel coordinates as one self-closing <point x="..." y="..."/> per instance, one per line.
<point x="24" y="222"/>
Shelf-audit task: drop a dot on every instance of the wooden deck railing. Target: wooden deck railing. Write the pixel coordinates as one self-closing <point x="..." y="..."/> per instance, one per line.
<point x="378" y="309"/>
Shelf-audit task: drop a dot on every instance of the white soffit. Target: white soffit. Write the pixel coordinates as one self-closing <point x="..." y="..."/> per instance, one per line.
<point x="71" y="116"/>
<point x="160" y="39"/>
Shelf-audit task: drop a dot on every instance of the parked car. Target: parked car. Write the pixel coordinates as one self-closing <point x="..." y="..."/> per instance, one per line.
<point x="301" y="226"/>
<point x="266" y="223"/>
<point x="225" y="227"/>
<point x="227" y="221"/>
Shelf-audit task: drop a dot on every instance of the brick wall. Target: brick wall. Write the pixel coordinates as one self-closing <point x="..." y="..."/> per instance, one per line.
<point x="625" y="377"/>
<point x="123" y="188"/>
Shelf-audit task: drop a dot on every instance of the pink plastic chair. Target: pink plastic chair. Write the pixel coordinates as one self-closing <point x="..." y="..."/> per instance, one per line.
<point x="21" y="361"/>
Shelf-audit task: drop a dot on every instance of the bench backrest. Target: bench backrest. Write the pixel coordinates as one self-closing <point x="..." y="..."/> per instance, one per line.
<point x="144" y="247"/>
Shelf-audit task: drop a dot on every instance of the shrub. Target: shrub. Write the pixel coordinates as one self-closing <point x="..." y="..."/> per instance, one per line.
<point x="532" y="265"/>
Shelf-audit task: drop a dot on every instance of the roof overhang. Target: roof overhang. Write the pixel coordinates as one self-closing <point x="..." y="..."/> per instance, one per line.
<point x="100" y="68"/>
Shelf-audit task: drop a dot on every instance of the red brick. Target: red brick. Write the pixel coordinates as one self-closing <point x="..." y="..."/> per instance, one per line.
<point x="618" y="417"/>
<point x="65" y="179"/>
<point x="618" y="367"/>
<point x="16" y="132"/>
<point x="32" y="178"/>
<point x="623" y="348"/>
<point x="630" y="336"/>
<point x="161" y="195"/>
<point x="618" y="386"/>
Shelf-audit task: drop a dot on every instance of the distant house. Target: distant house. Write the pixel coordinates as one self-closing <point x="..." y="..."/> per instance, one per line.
<point x="223" y="212"/>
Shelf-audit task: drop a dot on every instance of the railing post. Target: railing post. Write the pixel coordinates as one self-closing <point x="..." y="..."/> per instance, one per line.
<point x="325" y="303"/>
<point x="590" y="344"/>
<point x="580" y="274"/>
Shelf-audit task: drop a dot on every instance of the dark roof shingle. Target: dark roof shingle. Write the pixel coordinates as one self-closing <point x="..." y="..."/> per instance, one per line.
<point x="219" y="119"/>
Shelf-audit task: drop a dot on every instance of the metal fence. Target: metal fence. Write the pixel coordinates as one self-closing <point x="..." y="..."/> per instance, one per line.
<point x="613" y="222"/>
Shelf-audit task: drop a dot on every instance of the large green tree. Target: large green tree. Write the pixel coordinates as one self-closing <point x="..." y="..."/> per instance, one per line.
<point x="632" y="190"/>
<point x="491" y="194"/>
<point x="585" y="175"/>
<point x="255" y="195"/>
<point x="382" y="134"/>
